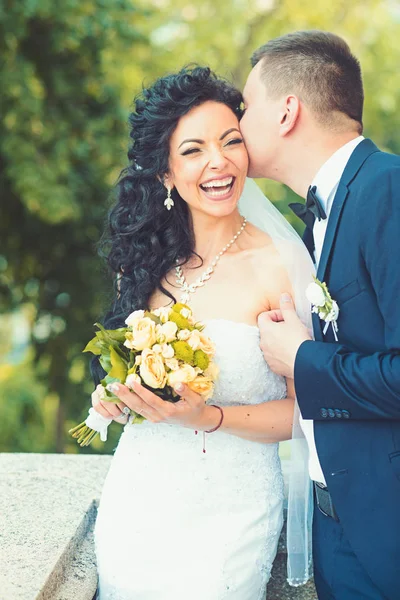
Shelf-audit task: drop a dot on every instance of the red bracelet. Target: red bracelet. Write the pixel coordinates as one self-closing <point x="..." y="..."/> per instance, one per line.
<point x="220" y="421"/>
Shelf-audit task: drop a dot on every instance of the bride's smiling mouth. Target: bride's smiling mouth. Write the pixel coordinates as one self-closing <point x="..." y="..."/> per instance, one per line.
<point x="218" y="188"/>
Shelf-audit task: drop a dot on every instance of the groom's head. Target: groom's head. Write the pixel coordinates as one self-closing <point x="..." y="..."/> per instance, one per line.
<point x="302" y="83"/>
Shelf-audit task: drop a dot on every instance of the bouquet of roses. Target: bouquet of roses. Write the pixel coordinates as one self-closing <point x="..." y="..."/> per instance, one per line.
<point x="158" y="349"/>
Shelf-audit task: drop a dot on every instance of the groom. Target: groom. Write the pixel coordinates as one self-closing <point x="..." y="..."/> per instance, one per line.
<point x="302" y="127"/>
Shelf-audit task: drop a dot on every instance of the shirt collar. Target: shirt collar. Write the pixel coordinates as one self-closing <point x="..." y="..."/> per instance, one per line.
<point x="331" y="171"/>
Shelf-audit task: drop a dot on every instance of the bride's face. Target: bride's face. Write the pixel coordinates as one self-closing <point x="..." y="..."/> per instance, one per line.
<point x="208" y="160"/>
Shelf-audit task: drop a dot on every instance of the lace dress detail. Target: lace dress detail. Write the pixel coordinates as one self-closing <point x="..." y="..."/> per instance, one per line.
<point x="177" y="524"/>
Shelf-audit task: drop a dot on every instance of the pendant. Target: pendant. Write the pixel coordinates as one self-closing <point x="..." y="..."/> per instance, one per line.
<point x="185" y="297"/>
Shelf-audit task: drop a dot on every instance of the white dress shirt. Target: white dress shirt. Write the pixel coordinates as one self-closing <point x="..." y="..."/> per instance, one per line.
<point x="327" y="182"/>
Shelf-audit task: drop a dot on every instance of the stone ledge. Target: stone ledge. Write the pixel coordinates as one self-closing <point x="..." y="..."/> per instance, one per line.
<point x="41" y="543"/>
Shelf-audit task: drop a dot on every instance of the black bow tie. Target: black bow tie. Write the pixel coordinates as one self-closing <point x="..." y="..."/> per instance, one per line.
<point x="311" y="210"/>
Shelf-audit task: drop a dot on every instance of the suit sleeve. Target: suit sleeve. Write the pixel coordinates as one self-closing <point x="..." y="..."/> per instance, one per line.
<point x="330" y="375"/>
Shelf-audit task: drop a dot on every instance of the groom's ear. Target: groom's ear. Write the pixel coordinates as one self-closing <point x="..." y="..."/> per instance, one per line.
<point x="289" y="114"/>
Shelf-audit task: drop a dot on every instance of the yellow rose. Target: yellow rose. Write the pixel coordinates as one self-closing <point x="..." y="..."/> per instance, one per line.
<point x="167" y="332"/>
<point x="184" y="374"/>
<point x="152" y="369"/>
<point x="202" y="385"/>
<point x="143" y="334"/>
<point x="198" y="341"/>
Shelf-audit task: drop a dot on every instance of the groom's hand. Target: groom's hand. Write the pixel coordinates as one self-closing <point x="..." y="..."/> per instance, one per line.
<point x="282" y="333"/>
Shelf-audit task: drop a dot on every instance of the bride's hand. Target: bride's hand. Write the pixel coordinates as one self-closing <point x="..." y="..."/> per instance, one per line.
<point x="190" y="411"/>
<point x="109" y="410"/>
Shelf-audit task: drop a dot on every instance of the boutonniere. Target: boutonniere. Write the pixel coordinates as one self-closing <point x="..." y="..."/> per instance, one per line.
<point x="323" y="305"/>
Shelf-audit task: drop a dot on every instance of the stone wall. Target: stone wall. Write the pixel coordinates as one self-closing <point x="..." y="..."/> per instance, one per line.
<point x="48" y="505"/>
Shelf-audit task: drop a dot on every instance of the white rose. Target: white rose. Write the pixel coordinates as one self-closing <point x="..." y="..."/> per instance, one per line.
<point x="99" y="394"/>
<point x="315" y="294"/>
<point x="186" y="313"/>
<point x="138" y="359"/>
<point x="172" y="363"/>
<point x="157" y="348"/>
<point x="167" y="332"/>
<point x="167" y="351"/>
<point x="135" y="316"/>
<point x="184" y="334"/>
<point x="163" y="313"/>
<point x="132" y="378"/>
<point x="184" y="374"/>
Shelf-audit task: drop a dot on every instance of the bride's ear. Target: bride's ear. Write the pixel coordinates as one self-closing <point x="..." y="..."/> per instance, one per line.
<point x="166" y="180"/>
<point x="289" y="114"/>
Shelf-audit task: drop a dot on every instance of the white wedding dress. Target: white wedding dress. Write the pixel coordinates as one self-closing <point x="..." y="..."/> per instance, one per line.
<point x="177" y="524"/>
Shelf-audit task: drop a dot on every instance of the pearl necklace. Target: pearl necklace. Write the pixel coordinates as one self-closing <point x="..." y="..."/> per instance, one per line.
<point x="190" y="289"/>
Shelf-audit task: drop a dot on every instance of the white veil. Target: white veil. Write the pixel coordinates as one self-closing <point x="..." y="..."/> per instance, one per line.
<point x="261" y="212"/>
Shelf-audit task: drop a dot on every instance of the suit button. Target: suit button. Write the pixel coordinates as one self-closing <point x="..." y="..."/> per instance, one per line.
<point x="346" y="414"/>
<point x="338" y="413"/>
<point x="331" y="413"/>
<point x="324" y="413"/>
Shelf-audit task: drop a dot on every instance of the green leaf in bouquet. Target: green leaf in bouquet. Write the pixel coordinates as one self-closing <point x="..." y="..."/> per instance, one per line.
<point x="154" y="318"/>
<point x="115" y="337"/>
<point x="105" y="362"/>
<point x="94" y="346"/>
<point x="119" y="365"/>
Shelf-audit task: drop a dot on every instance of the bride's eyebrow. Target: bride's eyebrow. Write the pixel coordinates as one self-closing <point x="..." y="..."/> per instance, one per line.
<point x="202" y="141"/>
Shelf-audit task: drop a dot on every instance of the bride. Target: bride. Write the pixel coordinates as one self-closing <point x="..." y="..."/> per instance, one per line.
<point x="175" y="522"/>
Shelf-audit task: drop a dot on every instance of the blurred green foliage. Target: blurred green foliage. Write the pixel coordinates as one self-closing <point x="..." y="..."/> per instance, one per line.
<point x="68" y="72"/>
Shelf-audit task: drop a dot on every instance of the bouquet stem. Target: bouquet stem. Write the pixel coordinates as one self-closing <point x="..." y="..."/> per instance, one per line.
<point x="83" y="434"/>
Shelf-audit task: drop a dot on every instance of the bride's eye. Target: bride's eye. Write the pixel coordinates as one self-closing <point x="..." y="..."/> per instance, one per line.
<point x="235" y="141"/>
<point x="190" y="151"/>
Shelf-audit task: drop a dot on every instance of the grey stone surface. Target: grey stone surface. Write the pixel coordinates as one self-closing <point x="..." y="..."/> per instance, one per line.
<point x="48" y="505"/>
<point x="47" y="511"/>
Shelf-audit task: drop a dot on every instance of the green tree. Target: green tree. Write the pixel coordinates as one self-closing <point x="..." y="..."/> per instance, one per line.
<point x="62" y="141"/>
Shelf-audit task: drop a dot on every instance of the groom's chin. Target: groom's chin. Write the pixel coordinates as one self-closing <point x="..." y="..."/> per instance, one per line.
<point x="255" y="172"/>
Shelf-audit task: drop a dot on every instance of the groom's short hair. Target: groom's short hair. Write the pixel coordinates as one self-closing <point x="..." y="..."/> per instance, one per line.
<point x="317" y="66"/>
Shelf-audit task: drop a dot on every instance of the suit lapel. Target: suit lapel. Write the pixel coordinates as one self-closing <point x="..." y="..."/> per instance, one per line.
<point x="333" y="222"/>
<point x="357" y="159"/>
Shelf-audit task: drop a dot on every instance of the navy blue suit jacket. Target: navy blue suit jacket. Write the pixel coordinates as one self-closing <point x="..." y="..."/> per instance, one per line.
<point x="352" y="388"/>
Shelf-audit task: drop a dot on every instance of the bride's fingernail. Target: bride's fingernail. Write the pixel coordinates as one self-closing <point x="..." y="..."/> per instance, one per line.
<point x="179" y="387"/>
<point x="113" y="387"/>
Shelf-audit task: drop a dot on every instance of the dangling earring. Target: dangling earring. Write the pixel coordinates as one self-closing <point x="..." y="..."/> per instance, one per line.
<point x="169" y="203"/>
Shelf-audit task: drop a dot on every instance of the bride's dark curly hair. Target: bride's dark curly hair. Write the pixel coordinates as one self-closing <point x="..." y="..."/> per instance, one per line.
<point x="143" y="240"/>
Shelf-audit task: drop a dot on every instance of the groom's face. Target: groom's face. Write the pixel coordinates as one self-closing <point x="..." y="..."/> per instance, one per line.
<point x="260" y="126"/>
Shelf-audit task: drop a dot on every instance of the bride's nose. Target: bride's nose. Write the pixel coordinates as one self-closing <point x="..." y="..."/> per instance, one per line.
<point x="217" y="159"/>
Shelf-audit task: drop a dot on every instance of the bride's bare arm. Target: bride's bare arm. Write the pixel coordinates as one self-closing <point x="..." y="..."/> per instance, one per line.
<point x="267" y="422"/>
